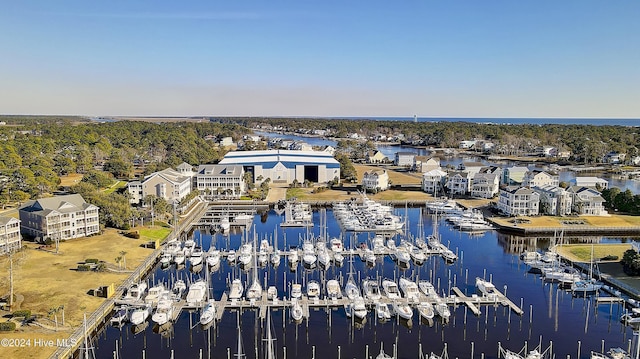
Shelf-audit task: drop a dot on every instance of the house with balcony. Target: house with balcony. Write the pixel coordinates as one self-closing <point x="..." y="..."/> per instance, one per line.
<point x="10" y="238"/>
<point x="459" y="182"/>
<point x="227" y="180"/>
<point x="405" y="159"/>
<point x="375" y="180"/>
<point x="591" y="182"/>
<point x="554" y="200"/>
<point x="513" y="176"/>
<point x="485" y="185"/>
<point x="169" y="184"/>
<point x="59" y="217"/>
<point x="426" y="164"/>
<point x="587" y="201"/>
<point x="538" y="178"/>
<point x="433" y="181"/>
<point x="377" y="157"/>
<point x="518" y="201"/>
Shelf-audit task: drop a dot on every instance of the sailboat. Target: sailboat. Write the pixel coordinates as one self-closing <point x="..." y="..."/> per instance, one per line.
<point x="589" y="285"/>
<point x="239" y="349"/>
<point x="255" y="290"/>
<point x="269" y="352"/>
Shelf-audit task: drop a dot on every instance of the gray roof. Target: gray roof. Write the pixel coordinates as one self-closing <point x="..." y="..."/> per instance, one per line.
<point x="170" y="175"/>
<point x="220" y="170"/>
<point x="63" y="204"/>
<point x="184" y="166"/>
<point x="6" y="220"/>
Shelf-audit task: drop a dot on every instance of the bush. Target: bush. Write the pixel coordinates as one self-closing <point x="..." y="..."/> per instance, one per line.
<point x="101" y="267"/>
<point x="48" y="241"/>
<point x="25" y="313"/>
<point x="83" y="268"/>
<point x="7" y="326"/>
<point x="91" y="260"/>
<point x="134" y="235"/>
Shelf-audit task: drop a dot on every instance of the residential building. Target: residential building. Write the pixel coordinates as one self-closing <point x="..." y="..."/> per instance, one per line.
<point x="614" y="157"/>
<point x="59" y="217"/>
<point x="375" y="180"/>
<point x="591" y="182"/>
<point x="169" y="184"/>
<point x="554" y="200"/>
<point x="587" y="201"/>
<point x="459" y="182"/>
<point x="185" y="169"/>
<point x="513" y="176"/>
<point x="518" y="201"/>
<point x="426" y="164"/>
<point x="377" y="157"/>
<point x="467" y="144"/>
<point x="10" y="238"/>
<point x="537" y="178"/>
<point x="226" y="141"/>
<point x="221" y="179"/>
<point x="546" y="151"/>
<point x="406" y="159"/>
<point x="433" y="181"/>
<point x="471" y="167"/>
<point x="485" y="185"/>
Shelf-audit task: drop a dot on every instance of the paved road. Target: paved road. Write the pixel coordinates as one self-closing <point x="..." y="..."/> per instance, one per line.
<point x="277" y="192"/>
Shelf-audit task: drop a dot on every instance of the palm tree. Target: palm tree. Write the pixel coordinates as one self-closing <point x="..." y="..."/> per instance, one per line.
<point x="124" y="259"/>
<point x="118" y="260"/>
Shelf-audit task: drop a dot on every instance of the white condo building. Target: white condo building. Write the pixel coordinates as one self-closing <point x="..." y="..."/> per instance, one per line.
<point x="432" y="181"/>
<point x="221" y="179"/>
<point x="169" y="184"/>
<point x="519" y="201"/>
<point x="10" y="238"/>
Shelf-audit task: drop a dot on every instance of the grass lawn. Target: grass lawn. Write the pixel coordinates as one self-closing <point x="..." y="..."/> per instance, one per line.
<point x="70" y="179"/>
<point x="582" y="252"/>
<point x="613" y="220"/>
<point x="394" y="177"/>
<point x="151" y="234"/>
<point x="47" y="280"/>
<point x="114" y="187"/>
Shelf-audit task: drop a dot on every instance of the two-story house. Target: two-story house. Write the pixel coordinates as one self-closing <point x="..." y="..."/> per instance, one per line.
<point x="538" y="178"/>
<point x="433" y="181"/>
<point x="375" y="180"/>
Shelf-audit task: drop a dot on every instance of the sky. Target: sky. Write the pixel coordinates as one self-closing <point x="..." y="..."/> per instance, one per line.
<point x="432" y="58"/>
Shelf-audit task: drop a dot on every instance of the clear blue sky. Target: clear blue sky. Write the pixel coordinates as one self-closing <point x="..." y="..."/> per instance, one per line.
<point x="475" y="58"/>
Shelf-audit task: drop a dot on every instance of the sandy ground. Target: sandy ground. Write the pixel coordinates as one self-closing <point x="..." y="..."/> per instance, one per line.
<point x="48" y="280"/>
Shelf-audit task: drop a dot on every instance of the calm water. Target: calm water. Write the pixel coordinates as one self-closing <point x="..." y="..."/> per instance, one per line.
<point x="555" y="315"/>
<point x="516" y="121"/>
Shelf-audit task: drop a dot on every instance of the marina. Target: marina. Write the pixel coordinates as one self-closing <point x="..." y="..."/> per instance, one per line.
<point x="476" y="319"/>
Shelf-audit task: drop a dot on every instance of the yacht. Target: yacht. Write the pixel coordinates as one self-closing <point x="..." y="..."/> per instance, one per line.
<point x="425" y="309"/>
<point x="409" y="289"/>
<point x="336" y="245"/>
<point x="390" y="289"/>
<point x="324" y="258"/>
<point x="154" y="294"/>
<point x="427" y="288"/>
<point x="296" y="290"/>
<point x="272" y="293"/>
<point x="164" y="311"/>
<point x="402" y="310"/>
<point x="197" y="293"/>
<point x="213" y="257"/>
<point x="208" y="313"/>
<point x="165" y="258"/>
<point x="140" y="315"/>
<point x="293" y="256"/>
<point x="442" y="309"/>
<point x="403" y="257"/>
<point x="196" y="256"/>
<point x="179" y="287"/>
<point x="487" y="288"/>
<point x="236" y="289"/>
<point x="245" y="253"/>
<point x="224" y="224"/>
<point x="188" y="247"/>
<point x="231" y="256"/>
<point x="333" y="289"/>
<point x="351" y="289"/>
<point x="275" y="257"/>
<point x="356" y="308"/>
<point x="308" y="254"/>
<point x="382" y="311"/>
<point x="313" y="289"/>
<point x="135" y="292"/>
<point x="371" y="289"/>
<point x="179" y="258"/>
<point x="296" y="311"/>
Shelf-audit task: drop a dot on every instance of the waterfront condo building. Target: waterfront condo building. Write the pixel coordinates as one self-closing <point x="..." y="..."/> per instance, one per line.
<point x="375" y="180"/>
<point x="587" y="201"/>
<point x="405" y="159"/>
<point x="519" y="201"/>
<point x="10" y="238"/>
<point x="433" y="181"/>
<point x="227" y="180"/>
<point x="485" y="185"/>
<point x="59" y="217"/>
<point x="554" y="201"/>
<point x="169" y="184"/>
<point x="459" y="182"/>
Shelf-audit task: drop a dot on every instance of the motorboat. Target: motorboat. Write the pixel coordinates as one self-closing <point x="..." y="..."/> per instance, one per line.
<point x="336" y="245"/>
<point x="154" y="294"/>
<point x="631" y="318"/>
<point x="382" y="354"/>
<point x="324" y="258"/>
<point x="140" y="315"/>
<point x="371" y="289"/>
<point x="486" y="287"/>
<point x="275" y="257"/>
<point x="224" y="224"/>
<point x="390" y="289"/>
<point x="338" y="258"/>
<point x="245" y="255"/>
<point x="296" y="311"/>
<point x="417" y="255"/>
<point x="409" y="289"/>
<point x="426" y="288"/>
<point x="426" y="310"/>
<point x="403" y="257"/>
<point x="313" y="289"/>
<point x="166" y="258"/>
<point x="120" y="316"/>
<point x="254" y="292"/>
<point x="382" y="311"/>
<point x="272" y="293"/>
<point x="369" y="257"/>
<point x="351" y="289"/>
<point x="179" y="258"/>
<point x="208" y="313"/>
<point x="213" y="257"/>
<point x="356" y="308"/>
<point x="333" y="289"/>
<point x="135" y="292"/>
<point x="292" y="257"/>
<point x="164" y="311"/>
<point x="197" y="293"/>
<point x="236" y="289"/>
<point x="442" y="309"/>
<point x="231" y="256"/>
<point x="296" y="290"/>
<point x="308" y="255"/>
<point x="178" y="289"/>
<point x="585" y="286"/>
<point x="402" y="310"/>
<point x="196" y="256"/>
<point x="188" y="247"/>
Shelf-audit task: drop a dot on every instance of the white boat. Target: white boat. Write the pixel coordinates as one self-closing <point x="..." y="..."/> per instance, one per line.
<point x="272" y="293"/>
<point x="236" y="289"/>
<point x="308" y="254"/>
<point x="390" y="289"/>
<point x="442" y="309"/>
<point x="292" y="257"/>
<point x="179" y="258"/>
<point x="224" y="224"/>
<point x="275" y="257"/>
<point x="383" y="355"/>
<point x="402" y="310"/>
<point x="165" y="258"/>
<point x="231" y="256"/>
<point x="140" y="315"/>
<point x="208" y="313"/>
<point x="196" y="256"/>
<point x="179" y="287"/>
<point x="120" y="316"/>
<point x="426" y="310"/>
<point x="417" y="255"/>
<point x="333" y="289"/>
<point x="369" y="257"/>
<point x="356" y="308"/>
<point x="403" y="257"/>
<point x="336" y="245"/>
<point x="585" y="286"/>
<point x="371" y="289"/>
<point x="154" y="294"/>
<point x="313" y="289"/>
<point x="173" y="246"/>
<point x="351" y="289"/>
<point x="213" y="257"/>
<point x="197" y="293"/>
<point x="324" y="258"/>
<point x="254" y="292"/>
<point x="487" y="288"/>
<point x="296" y="311"/>
<point x="164" y="311"/>
<point x="427" y="288"/>
<point x="409" y="289"/>
<point x="188" y="247"/>
<point x="135" y="292"/>
<point x="382" y="311"/>
<point x="296" y="290"/>
<point x="245" y="255"/>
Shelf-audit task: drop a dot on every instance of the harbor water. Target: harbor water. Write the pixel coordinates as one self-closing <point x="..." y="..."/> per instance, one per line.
<point x="572" y="326"/>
